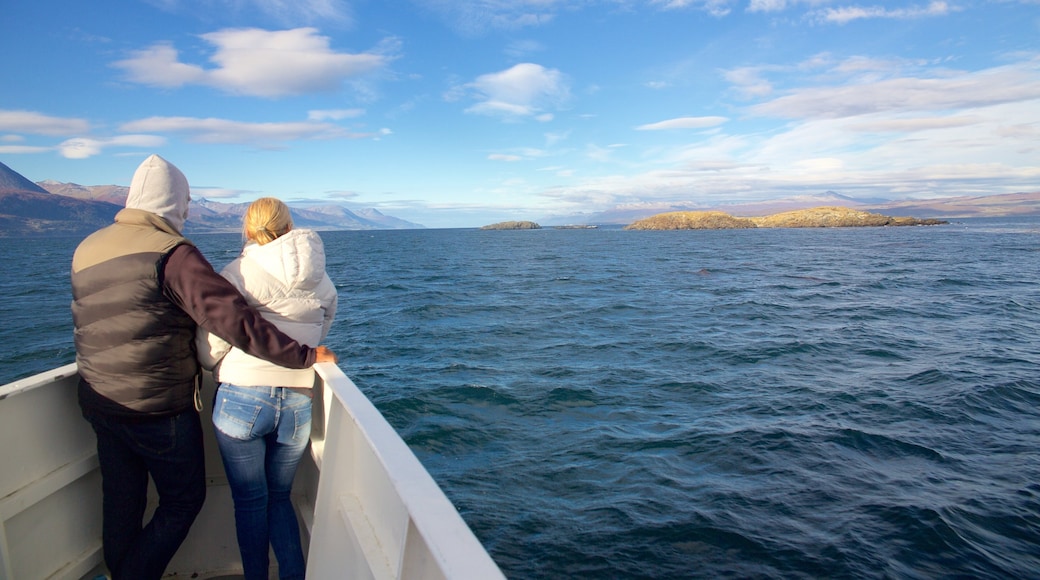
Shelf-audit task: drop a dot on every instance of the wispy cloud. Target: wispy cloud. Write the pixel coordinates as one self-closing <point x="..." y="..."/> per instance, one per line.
<point x="478" y="17"/>
<point x="767" y="5"/>
<point x="334" y="114"/>
<point x="847" y="14"/>
<point x="521" y="49"/>
<point x="83" y="147"/>
<point x="288" y="12"/>
<point x="23" y="149"/>
<point x="947" y="91"/>
<point x="213" y="130"/>
<point x="684" y="123"/>
<point x="915" y="124"/>
<point x="76" y="145"/>
<point x="518" y="154"/>
<point x="33" y="123"/>
<point x="525" y="90"/>
<point x="255" y="62"/>
<point x="713" y="7"/>
<point x="878" y="128"/>
<point x="749" y="82"/>
<point x="217" y="192"/>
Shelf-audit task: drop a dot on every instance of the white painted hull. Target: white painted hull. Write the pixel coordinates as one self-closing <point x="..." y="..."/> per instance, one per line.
<point x="367" y="507"/>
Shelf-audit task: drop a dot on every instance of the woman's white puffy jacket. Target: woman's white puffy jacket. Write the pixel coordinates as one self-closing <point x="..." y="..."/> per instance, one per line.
<point x="285" y="281"/>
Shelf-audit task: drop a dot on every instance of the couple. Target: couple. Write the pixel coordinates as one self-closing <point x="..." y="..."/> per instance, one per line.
<point x="147" y="308"/>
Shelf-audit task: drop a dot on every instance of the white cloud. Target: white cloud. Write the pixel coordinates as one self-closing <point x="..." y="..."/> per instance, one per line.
<point x="34" y="123"/>
<point x="23" y="149"/>
<point x="767" y="5"/>
<point x="599" y="154"/>
<point x="779" y="5"/>
<point x="79" y="147"/>
<point x="524" y="90"/>
<point x="748" y="82"/>
<point x="887" y="133"/>
<point x="334" y="114"/>
<point x="158" y="66"/>
<point x="216" y="192"/>
<point x="913" y="124"/>
<point x="554" y="138"/>
<point x="519" y="49"/>
<point x="817" y="165"/>
<point x="476" y="17"/>
<point x="343" y="194"/>
<point x="256" y="62"/>
<point x="83" y="147"/>
<point x="950" y="90"/>
<point x="290" y="12"/>
<point x="301" y="10"/>
<point x="847" y="14"/>
<point x="212" y="130"/>
<point x="684" y="123"/>
<point x="518" y="154"/>
<point x="713" y="7"/>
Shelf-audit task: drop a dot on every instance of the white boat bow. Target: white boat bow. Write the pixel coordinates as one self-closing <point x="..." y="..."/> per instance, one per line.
<point x="368" y="508"/>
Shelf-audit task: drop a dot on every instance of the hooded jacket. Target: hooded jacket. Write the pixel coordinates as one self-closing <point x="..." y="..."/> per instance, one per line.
<point x="139" y="291"/>
<point x="285" y="281"/>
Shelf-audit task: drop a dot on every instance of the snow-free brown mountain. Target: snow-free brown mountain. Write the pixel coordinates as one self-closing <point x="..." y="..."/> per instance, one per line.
<point x="26" y="209"/>
<point x="55" y="208"/>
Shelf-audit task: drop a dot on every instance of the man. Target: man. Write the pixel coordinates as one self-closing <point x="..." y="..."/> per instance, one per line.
<point x="139" y="290"/>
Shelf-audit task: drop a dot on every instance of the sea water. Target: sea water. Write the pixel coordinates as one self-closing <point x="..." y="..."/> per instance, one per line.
<point x="783" y="403"/>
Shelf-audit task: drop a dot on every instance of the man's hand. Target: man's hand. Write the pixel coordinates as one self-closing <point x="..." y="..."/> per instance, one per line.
<point x="323" y="354"/>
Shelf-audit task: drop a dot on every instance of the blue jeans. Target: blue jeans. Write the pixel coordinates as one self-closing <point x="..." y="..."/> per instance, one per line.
<point x="262" y="433"/>
<point x="170" y="450"/>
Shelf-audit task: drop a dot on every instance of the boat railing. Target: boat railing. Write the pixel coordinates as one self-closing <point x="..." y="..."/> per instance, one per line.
<point x="378" y="512"/>
<point x="368" y="509"/>
<point x="50" y="484"/>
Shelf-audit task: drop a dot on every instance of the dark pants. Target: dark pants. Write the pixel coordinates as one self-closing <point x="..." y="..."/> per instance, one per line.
<point x="168" y="449"/>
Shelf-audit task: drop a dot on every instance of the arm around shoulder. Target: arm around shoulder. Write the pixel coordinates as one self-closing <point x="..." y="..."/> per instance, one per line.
<point x="218" y="307"/>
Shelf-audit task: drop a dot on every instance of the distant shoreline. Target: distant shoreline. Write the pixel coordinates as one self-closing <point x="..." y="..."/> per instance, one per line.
<point x="817" y="217"/>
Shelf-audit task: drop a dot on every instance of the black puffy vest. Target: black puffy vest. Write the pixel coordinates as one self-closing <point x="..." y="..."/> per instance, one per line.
<point x="134" y="347"/>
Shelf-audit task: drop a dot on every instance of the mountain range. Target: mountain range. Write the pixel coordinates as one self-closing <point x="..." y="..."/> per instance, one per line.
<point x="55" y="208"/>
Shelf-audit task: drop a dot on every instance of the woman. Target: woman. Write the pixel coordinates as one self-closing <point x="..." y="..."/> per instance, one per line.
<point x="262" y="412"/>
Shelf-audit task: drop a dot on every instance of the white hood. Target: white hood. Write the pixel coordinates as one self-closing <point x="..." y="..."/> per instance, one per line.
<point x="285" y="281"/>
<point x="296" y="259"/>
<point x="160" y="188"/>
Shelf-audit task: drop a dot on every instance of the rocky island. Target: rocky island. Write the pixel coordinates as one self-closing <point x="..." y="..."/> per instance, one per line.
<point x="522" y="225"/>
<point x="817" y="217"/>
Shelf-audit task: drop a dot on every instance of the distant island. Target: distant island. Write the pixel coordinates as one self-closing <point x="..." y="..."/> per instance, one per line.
<point x="521" y="225"/>
<point x="817" y="217"/>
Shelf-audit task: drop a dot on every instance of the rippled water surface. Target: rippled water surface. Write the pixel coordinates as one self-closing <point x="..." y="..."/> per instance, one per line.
<point x="858" y="403"/>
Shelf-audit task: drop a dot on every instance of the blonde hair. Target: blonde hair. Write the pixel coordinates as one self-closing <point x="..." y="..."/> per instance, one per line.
<point x="266" y="219"/>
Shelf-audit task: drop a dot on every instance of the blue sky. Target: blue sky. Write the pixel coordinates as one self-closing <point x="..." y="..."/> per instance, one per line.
<point x="453" y="113"/>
